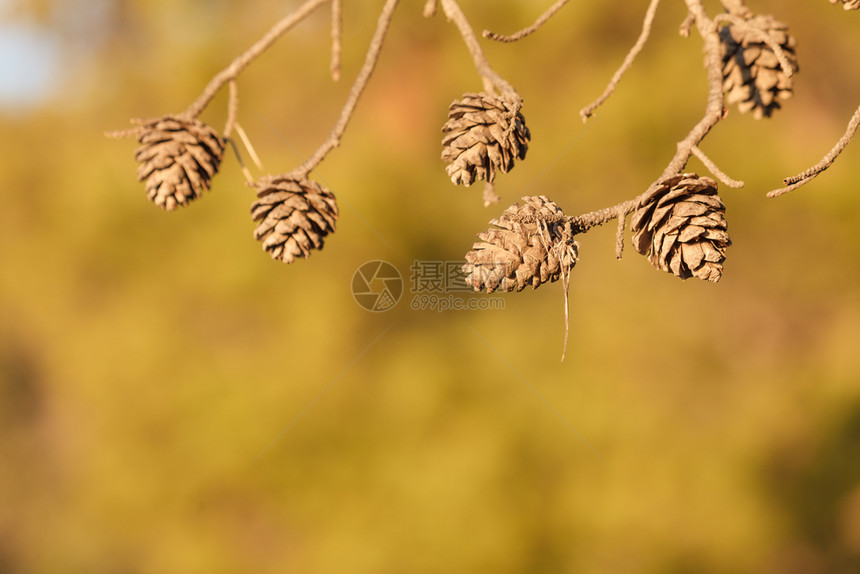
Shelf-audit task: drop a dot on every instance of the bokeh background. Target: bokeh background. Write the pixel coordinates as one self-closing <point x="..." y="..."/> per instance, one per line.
<point x="171" y="400"/>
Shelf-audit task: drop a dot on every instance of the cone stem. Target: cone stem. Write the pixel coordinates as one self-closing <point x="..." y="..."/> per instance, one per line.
<point x="489" y="76"/>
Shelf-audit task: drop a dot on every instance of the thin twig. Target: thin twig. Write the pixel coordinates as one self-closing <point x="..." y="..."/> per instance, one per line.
<point x="588" y="111"/>
<point x="544" y="18"/>
<point x="712" y="167"/>
<point x="565" y="284"/>
<point x="336" y="37"/>
<point x="490" y="78"/>
<point x="741" y="25"/>
<point x="582" y="223"/>
<point x="126" y="133"/>
<point x="713" y="114"/>
<point x="716" y="100"/>
<point x="247" y="143"/>
<point x="813" y="172"/>
<point x="232" y="71"/>
<point x="245" y="171"/>
<point x="430" y="8"/>
<point x="232" y="109"/>
<point x="358" y="87"/>
<point x="686" y="25"/>
<point x="619" y="237"/>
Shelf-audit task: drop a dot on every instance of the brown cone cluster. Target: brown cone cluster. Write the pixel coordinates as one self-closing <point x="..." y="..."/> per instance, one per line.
<point x="480" y="139"/>
<point x="178" y="157"/>
<point x="752" y="76"/>
<point x="848" y="4"/>
<point x="529" y="244"/>
<point x="681" y="228"/>
<point x="294" y="216"/>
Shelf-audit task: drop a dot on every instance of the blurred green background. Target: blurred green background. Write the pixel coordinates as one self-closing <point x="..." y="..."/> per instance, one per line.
<point x="172" y="400"/>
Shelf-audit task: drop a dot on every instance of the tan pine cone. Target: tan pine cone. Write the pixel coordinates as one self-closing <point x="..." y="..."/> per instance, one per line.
<point x="681" y="228"/>
<point x="752" y="76"/>
<point x="529" y="244"/>
<point x="294" y="216"/>
<point x="479" y="138"/>
<point x="848" y="4"/>
<point x="178" y="157"/>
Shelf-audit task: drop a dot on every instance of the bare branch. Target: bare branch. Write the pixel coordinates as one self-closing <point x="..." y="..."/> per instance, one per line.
<point x="358" y="87"/>
<point x="489" y="76"/>
<point x="712" y="167"/>
<point x="336" y="37"/>
<point x="589" y="110"/>
<point x="805" y="177"/>
<point x="583" y="223"/>
<point x="716" y="100"/>
<point x="543" y="19"/>
<point x="232" y="71"/>
<point x="713" y="114"/>
<point x="430" y="8"/>
<point x="232" y="109"/>
<point x="686" y="25"/>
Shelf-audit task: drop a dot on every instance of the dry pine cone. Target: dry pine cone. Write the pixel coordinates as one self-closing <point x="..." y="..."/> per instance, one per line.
<point x="178" y="157"/>
<point x="752" y="76"/>
<point x="529" y="245"/>
<point x="848" y="4"/>
<point x="479" y="138"/>
<point x="681" y="228"/>
<point x="294" y="216"/>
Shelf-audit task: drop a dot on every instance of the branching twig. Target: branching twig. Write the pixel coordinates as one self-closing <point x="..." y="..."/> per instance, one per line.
<point x="713" y="114"/>
<point x="805" y="177"/>
<point x="336" y="37"/>
<point x="712" y="167"/>
<point x="714" y="109"/>
<point x="489" y="76"/>
<point x="686" y="25"/>
<point x="544" y="18"/>
<point x="232" y="71"/>
<point x="589" y="110"/>
<point x="358" y="87"/>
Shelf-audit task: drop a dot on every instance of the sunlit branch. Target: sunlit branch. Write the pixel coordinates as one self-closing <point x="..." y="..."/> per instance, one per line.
<point x="358" y="87"/>
<point x="543" y="19"/>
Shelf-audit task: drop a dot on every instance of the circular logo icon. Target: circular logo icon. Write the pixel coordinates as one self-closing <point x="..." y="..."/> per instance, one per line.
<point x="377" y="286"/>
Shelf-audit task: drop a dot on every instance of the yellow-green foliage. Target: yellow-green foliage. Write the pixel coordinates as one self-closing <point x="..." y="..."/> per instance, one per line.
<point x="173" y="401"/>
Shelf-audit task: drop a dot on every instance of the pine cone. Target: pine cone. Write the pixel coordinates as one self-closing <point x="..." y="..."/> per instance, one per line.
<point x="479" y="138"/>
<point x="529" y="245"/>
<point x="681" y="228"/>
<point x="752" y="76"/>
<point x="848" y="4"/>
<point x="178" y="157"/>
<point x="294" y="216"/>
